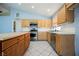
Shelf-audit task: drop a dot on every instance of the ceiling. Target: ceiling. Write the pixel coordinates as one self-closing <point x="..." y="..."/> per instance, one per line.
<point x="44" y="9"/>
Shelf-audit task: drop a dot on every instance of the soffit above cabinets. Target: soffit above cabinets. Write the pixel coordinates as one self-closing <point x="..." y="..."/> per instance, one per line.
<point x="3" y="10"/>
<point x="44" y="9"/>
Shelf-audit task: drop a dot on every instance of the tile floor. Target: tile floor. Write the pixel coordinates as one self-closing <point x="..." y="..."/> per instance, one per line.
<point x="40" y="48"/>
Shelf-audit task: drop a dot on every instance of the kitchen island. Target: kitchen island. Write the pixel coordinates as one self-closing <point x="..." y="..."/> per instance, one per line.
<point x="14" y="44"/>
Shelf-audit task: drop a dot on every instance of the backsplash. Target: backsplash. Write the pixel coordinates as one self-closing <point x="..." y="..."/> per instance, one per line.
<point x="67" y="27"/>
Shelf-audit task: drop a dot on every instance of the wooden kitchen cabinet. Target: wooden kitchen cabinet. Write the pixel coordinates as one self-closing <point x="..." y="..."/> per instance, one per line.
<point x="6" y="44"/>
<point x="26" y="41"/>
<point x="25" y="23"/>
<point x="15" y="46"/>
<point x="11" y="51"/>
<point x="0" y="48"/>
<point x="65" y="15"/>
<point x="65" y="44"/>
<point x="20" y="48"/>
<point x="49" y="37"/>
<point x="61" y="15"/>
<point x="44" y="23"/>
<point x="42" y="36"/>
<point x="54" y="20"/>
<point x="40" y="23"/>
<point x="34" y="21"/>
<point x="71" y="6"/>
<point x="47" y="23"/>
<point x="69" y="16"/>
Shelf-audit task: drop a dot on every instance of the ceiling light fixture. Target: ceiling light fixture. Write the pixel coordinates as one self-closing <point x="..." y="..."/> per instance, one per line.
<point x="33" y="7"/>
<point x="19" y="3"/>
<point x="48" y="10"/>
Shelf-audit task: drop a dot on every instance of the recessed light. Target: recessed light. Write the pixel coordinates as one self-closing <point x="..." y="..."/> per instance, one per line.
<point x="48" y="10"/>
<point x="33" y="7"/>
<point x="19" y="3"/>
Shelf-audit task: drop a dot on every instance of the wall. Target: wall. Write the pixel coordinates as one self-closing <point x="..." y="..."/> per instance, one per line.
<point x="77" y="31"/>
<point x="6" y="21"/>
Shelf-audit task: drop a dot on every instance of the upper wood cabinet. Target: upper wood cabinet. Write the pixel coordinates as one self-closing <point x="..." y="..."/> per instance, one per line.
<point x="71" y="6"/>
<point x="61" y="15"/>
<point x="44" y="23"/>
<point x="34" y="21"/>
<point x="65" y="15"/>
<point x="25" y="23"/>
<point x="54" y="20"/>
<point x="47" y="23"/>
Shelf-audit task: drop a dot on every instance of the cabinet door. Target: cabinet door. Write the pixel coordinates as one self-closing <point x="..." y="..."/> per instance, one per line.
<point x="9" y="43"/>
<point x="68" y="4"/>
<point x="47" y="23"/>
<point x="34" y="21"/>
<point x="40" y="23"/>
<point x="69" y="16"/>
<point x="0" y="48"/>
<point x="49" y="37"/>
<point x="54" y="20"/>
<point x="59" y="48"/>
<point x="42" y="35"/>
<point x="20" y="48"/>
<point x="11" y="51"/>
<point x="65" y="45"/>
<point x="68" y="45"/>
<point x="61" y="15"/>
<point x="25" y="23"/>
<point x="44" y="23"/>
<point x="27" y="40"/>
<point x="71" y="6"/>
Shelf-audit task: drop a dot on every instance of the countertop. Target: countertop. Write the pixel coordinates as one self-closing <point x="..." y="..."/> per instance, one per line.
<point x="64" y="33"/>
<point x="5" y="36"/>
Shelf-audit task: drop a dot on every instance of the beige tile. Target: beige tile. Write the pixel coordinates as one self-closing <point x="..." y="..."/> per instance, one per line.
<point x="40" y="48"/>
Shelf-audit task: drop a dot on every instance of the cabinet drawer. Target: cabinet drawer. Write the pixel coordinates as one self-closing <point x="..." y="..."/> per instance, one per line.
<point x="11" y="51"/>
<point x="9" y="43"/>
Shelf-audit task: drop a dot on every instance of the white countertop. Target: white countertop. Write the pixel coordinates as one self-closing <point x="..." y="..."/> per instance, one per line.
<point x="5" y="36"/>
<point x="59" y="32"/>
<point x="63" y="33"/>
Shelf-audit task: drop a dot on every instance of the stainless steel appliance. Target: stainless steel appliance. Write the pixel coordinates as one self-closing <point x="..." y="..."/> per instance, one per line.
<point x="33" y="31"/>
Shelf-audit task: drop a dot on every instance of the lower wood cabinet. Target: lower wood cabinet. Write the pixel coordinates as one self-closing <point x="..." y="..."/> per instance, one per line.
<point x="11" y="51"/>
<point x="49" y="37"/>
<point x="65" y="44"/>
<point x="15" y="46"/>
<point x="42" y="36"/>
<point x="26" y="40"/>
<point x="20" y="48"/>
